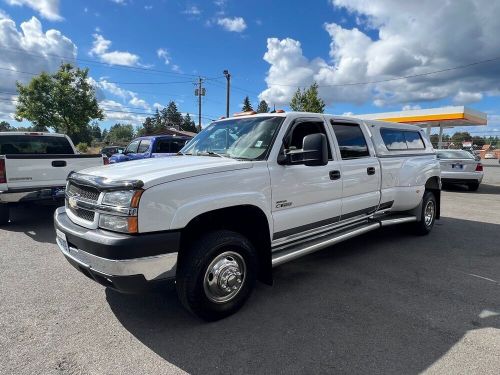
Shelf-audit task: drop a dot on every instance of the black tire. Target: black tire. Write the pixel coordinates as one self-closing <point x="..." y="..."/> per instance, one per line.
<point x="4" y="214"/>
<point x="473" y="186"/>
<point x="193" y="279"/>
<point x="424" y="226"/>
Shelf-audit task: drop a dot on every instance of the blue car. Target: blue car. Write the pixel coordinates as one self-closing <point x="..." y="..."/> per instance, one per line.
<point x="155" y="146"/>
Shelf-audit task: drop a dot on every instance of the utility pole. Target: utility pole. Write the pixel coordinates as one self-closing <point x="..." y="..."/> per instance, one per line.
<point x="228" y="90"/>
<point x="199" y="92"/>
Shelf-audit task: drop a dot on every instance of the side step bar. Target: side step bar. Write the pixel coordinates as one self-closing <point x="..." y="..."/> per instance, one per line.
<point x="295" y="251"/>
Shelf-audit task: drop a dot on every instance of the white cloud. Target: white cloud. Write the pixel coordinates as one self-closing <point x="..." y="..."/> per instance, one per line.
<point x="148" y="7"/>
<point x="411" y="38"/>
<point x="28" y="49"/>
<point x="136" y="102"/>
<point x="164" y="55"/>
<point x="121" y="2"/>
<point x="118" y="112"/>
<point x="409" y="107"/>
<point x="103" y="86"/>
<point x="463" y="97"/>
<point x="236" y="24"/>
<point x="192" y="11"/>
<point x="48" y="9"/>
<point x="100" y="48"/>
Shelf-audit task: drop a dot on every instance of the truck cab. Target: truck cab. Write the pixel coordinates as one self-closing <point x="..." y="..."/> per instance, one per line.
<point x="151" y="147"/>
<point x="247" y="194"/>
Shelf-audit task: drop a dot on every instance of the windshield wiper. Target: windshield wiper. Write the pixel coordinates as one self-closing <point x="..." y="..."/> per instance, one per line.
<point x="210" y="153"/>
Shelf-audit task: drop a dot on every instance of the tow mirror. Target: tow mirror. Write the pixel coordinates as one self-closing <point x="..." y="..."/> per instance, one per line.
<point x="314" y="152"/>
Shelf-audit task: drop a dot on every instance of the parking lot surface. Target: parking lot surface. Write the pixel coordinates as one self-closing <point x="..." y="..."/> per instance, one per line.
<point x="387" y="302"/>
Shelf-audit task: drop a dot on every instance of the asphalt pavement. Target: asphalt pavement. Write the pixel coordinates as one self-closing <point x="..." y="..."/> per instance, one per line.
<point x="388" y="302"/>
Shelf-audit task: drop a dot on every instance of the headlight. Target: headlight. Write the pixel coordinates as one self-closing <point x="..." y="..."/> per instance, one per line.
<point x="124" y="224"/>
<point x="118" y="198"/>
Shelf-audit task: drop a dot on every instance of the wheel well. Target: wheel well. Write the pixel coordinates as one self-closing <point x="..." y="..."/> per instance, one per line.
<point x="248" y="220"/>
<point x="433" y="184"/>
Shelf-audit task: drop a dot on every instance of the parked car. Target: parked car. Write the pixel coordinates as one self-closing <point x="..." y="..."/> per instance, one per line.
<point x="34" y="167"/>
<point x="151" y="147"/>
<point x="111" y="150"/>
<point x="279" y="186"/>
<point x="475" y="154"/>
<point x="460" y="167"/>
<point x="489" y="155"/>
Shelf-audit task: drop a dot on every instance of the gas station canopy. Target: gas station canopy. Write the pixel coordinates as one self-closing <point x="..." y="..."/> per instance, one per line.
<point x="445" y="117"/>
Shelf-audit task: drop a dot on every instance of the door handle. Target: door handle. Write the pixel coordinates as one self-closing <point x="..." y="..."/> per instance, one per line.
<point x="59" y="163"/>
<point x="334" y="175"/>
<point x="370" y="170"/>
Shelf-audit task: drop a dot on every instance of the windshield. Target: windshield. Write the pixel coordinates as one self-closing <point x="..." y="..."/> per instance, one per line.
<point x="34" y="144"/>
<point x="454" y="154"/>
<point x="245" y="138"/>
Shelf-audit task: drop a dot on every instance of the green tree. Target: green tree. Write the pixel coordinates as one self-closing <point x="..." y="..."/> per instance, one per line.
<point x="120" y="133"/>
<point x="171" y="117"/>
<point x="82" y="147"/>
<point x="96" y="131"/>
<point x="459" y="137"/>
<point x="157" y="121"/>
<point x="263" y="107"/>
<point x="104" y="135"/>
<point x="247" y="106"/>
<point x="188" y="124"/>
<point x="308" y="100"/>
<point x="4" y="126"/>
<point x="148" y="127"/>
<point x="64" y="101"/>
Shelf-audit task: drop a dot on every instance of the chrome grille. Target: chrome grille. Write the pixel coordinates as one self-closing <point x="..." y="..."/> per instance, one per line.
<point x="83" y="192"/>
<point x="82" y="213"/>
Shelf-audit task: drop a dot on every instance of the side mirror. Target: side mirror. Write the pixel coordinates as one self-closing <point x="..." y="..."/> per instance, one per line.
<point x="314" y="152"/>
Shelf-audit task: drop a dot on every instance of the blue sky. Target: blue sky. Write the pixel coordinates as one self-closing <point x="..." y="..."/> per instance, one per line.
<point x="270" y="48"/>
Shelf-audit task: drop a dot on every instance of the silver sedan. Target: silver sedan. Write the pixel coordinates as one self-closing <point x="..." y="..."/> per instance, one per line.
<point x="460" y="167"/>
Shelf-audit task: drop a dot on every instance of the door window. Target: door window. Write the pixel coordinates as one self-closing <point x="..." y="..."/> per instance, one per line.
<point x="144" y="146"/>
<point x="132" y="147"/>
<point x="351" y="140"/>
<point x="295" y="139"/>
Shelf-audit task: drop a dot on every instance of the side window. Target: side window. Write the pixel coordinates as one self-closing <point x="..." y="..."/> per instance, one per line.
<point x="394" y="139"/>
<point x="352" y="142"/>
<point x="414" y="140"/>
<point x="175" y="146"/>
<point x="144" y="146"/>
<point x="300" y="130"/>
<point x="162" y="146"/>
<point x="132" y="147"/>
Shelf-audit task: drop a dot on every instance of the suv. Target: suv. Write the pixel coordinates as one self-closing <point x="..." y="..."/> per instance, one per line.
<point x="245" y="195"/>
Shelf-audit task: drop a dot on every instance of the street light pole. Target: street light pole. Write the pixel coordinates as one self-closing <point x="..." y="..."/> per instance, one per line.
<point x="228" y="90"/>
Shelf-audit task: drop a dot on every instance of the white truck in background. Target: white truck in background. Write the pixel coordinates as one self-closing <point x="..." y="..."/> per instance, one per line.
<point x="246" y="194"/>
<point x="34" y="167"/>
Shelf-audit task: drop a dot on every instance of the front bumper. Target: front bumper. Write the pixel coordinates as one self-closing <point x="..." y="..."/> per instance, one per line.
<point x="127" y="263"/>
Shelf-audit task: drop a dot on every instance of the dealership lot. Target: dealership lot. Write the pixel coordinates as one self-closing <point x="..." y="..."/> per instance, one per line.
<point x="386" y="302"/>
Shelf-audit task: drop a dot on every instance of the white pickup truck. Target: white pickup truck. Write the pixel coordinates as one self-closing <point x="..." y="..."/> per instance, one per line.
<point x="246" y="194"/>
<point x="34" y="166"/>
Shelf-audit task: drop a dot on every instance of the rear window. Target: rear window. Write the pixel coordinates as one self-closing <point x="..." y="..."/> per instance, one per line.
<point x="34" y="144"/>
<point x="397" y="140"/>
<point x="351" y="141"/>
<point x="454" y="154"/>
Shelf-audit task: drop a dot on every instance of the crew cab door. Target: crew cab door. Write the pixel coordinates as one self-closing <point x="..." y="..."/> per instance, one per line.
<point x="360" y="168"/>
<point x="304" y="198"/>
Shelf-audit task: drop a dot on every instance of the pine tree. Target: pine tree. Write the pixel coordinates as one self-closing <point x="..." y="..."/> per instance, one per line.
<point x="188" y="124"/>
<point x="247" y="106"/>
<point x="307" y="100"/>
<point x="157" y="123"/>
<point x="263" y="107"/>
<point x="148" y="127"/>
<point x="171" y="116"/>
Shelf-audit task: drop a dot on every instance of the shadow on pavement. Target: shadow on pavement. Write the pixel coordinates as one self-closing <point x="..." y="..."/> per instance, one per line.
<point x="386" y="302"/>
<point x="36" y="221"/>
<point x="483" y="189"/>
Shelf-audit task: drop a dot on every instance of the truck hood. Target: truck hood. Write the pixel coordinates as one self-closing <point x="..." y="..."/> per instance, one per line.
<point x="160" y="170"/>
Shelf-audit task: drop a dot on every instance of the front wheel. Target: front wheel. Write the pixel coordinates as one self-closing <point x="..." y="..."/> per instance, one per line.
<point x="428" y="216"/>
<point x="4" y="214"/>
<point x="216" y="274"/>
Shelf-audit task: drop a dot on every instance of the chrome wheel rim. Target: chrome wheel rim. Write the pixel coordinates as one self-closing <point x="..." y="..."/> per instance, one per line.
<point x="429" y="213"/>
<point x="224" y="277"/>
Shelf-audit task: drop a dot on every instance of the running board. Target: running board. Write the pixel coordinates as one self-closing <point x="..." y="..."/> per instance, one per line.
<point x="297" y="251"/>
<point x="287" y="254"/>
